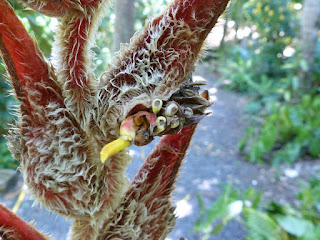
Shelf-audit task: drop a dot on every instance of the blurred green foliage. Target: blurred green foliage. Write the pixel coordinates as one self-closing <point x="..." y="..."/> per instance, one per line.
<point x="229" y="204"/>
<point x="146" y="9"/>
<point x="38" y="26"/>
<point x="6" y="105"/>
<point x="263" y="61"/>
<point x="260" y="57"/>
<point x="271" y="27"/>
<point x="271" y="221"/>
<point x="289" y="132"/>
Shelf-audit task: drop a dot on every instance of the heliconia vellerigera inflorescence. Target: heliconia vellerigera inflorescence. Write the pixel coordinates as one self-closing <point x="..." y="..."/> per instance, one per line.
<point x="74" y="128"/>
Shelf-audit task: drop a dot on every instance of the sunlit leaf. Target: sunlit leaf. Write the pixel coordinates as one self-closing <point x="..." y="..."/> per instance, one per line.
<point x="295" y="226"/>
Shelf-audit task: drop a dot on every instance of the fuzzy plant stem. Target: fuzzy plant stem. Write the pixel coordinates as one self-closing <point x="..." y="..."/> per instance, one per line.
<point x="14" y="228"/>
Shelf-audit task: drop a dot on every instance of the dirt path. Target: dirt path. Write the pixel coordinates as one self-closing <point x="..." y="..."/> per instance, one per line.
<point x="213" y="160"/>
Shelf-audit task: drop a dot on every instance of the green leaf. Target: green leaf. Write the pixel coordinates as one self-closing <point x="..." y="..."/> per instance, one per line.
<point x="304" y="65"/>
<point x="287" y="96"/>
<point x="268" y="136"/>
<point x="219" y="227"/>
<point x="288" y="154"/>
<point x="220" y="207"/>
<point x="257" y="199"/>
<point x="295" y="83"/>
<point x="296" y="226"/>
<point x="316" y="103"/>
<point x="253" y="107"/>
<point x="306" y="101"/>
<point x="255" y="154"/>
<point x="198" y="225"/>
<point x="243" y="142"/>
<point x="263" y="227"/>
<point x="312" y="235"/>
<point x="296" y="116"/>
<point x="314" y="147"/>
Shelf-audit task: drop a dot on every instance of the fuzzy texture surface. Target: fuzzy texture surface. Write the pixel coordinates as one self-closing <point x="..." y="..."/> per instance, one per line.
<point x="12" y="227"/>
<point x="67" y="114"/>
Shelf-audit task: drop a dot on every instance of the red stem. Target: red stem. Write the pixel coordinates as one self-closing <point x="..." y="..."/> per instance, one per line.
<point x="164" y="162"/>
<point x="54" y="8"/>
<point x="24" y="61"/>
<point x="179" y="31"/>
<point x="151" y="189"/>
<point x="72" y="53"/>
<point x="15" y="228"/>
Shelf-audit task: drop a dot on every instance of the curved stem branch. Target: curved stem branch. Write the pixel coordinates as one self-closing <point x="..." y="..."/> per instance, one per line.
<point x="13" y="227"/>
<point x="54" y="8"/>
<point x="73" y="57"/>
<point x="147" y="202"/>
<point x="31" y="76"/>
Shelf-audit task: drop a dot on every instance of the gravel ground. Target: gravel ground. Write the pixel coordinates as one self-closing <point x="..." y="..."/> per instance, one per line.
<point x="213" y="160"/>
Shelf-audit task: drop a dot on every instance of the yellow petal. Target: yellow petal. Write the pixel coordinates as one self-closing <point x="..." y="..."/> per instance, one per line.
<point x="161" y="121"/>
<point x="156" y="105"/>
<point x="171" y="109"/>
<point x="113" y="148"/>
<point x="175" y="123"/>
